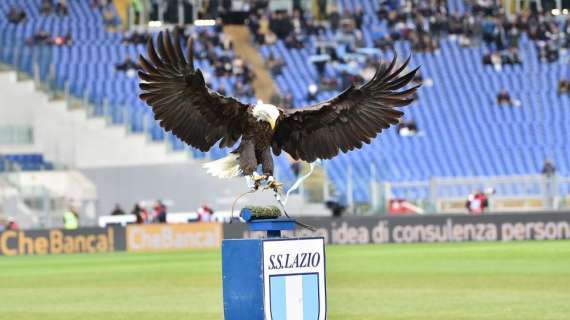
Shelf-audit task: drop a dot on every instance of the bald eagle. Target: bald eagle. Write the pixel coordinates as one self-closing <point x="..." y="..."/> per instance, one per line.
<point x="201" y="117"/>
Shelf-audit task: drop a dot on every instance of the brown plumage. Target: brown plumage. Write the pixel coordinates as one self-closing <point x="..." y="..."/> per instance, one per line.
<point x="201" y="117"/>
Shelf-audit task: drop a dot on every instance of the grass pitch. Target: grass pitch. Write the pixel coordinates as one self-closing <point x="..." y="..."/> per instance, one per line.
<point x="526" y="280"/>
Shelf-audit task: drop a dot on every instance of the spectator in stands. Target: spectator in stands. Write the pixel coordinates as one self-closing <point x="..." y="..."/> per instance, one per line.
<point x="334" y="19"/>
<point x="312" y="28"/>
<point x="385" y="43"/>
<point x="137" y="10"/>
<point x="287" y="100"/>
<point x="320" y="62"/>
<point x="497" y="61"/>
<point x="117" y="211"/>
<point x="548" y="168"/>
<point x="358" y="17"/>
<point x="275" y="65"/>
<point x="382" y="12"/>
<point x="322" y="9"/>
<point x="222" y="68"/>
<point x="347" y="23"/>
<point x="71" y="219"/>
<point x="513" y="37"/>
<point x="237" y="67"/>
<point x="46" y="7"/>
<point x="280" y="24"/>
<point x="240" y="89"/>
<point x="65" y="40"/>
<point x="422" y="42"/>
<point x="563" y="86"/>
<point x="254" y="27"/>
<point x="298" y="21"/>
<point x="222" y="90"/>
<point x="182" y="34"/>
<point x="205" y="213"/>
<point x="477" y="202"/>
<point x="16" y="15"/>
<point x="369" y="69"/>
<point x="41" y="37"/>
<point x="140" y="214"/>
<point x="245" y="73"/>
<point x="61" y="8"/>
<point x="493" y="59"/>
<point x="512" y="57"/>
<point x="547" y="52"/>
<point x="504" y="98"/>
<point x="312" y="92"/>
<point x="160" y="213"/>
<point x="328" y="83"/>
<point x="109" y="19"/>
<point x="99" y="4"/>
<point x="418" y="77"/>
<point x="138" y="37"/>
<point x="12" y="224"/>
<point x="127" y="65"/>
<point x="407" y="128"/>
<point x="243" y="90"/>
<point x="296" y="167"/>
<point x="294" y="41"/>
<point x="455" y="24"/>
<point x="337" y="209"/>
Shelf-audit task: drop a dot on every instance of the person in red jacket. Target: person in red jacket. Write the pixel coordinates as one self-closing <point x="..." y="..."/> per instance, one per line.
<point x="12" y="225"/>
<point x="477" y="202"/>
<point x="205" y="213"/>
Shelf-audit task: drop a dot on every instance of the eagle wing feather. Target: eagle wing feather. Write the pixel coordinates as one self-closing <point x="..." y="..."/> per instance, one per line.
<point x="182" y="102"/>
<point x="345" y="122"/>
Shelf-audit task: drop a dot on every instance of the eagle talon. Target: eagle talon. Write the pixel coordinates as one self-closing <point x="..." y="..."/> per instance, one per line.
<point x="256" y="181"/>
<point x="274" y="185"/>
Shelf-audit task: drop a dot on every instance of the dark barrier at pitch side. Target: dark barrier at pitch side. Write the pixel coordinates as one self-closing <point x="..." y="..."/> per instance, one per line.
<point x="59" y="241"/>
<point x="439" y="228"/>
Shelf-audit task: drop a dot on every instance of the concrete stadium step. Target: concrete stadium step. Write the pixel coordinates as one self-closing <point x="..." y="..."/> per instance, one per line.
<point x="72" y="138"/>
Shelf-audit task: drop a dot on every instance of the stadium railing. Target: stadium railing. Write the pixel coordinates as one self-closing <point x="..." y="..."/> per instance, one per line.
<point x="16" y="135"/>
<point x="505" y="193"/>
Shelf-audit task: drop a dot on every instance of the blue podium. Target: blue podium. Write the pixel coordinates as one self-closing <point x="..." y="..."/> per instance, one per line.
<point x="274" y="278"/>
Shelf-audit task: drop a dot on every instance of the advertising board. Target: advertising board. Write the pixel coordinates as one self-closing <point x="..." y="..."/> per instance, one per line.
<point x="436" y="228"/>
<point x="157" y="237"/>
<point x="59" y="241"/>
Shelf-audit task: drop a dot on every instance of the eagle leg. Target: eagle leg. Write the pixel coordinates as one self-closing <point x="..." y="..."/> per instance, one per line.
<point x="274" y="185"/>
<point x="255" y="180"/>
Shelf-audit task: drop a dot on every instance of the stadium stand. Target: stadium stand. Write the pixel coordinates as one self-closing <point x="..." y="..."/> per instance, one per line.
<point x="462" y="131"/>
<point x="24" y="162"/>
<point x="87" y="67"/>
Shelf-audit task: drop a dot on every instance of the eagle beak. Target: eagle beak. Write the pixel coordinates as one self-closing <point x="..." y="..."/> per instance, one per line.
<point x="272" y="123"/>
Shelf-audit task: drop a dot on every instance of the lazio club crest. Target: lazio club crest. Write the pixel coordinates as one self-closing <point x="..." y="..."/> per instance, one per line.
<point x="294" y="279"/>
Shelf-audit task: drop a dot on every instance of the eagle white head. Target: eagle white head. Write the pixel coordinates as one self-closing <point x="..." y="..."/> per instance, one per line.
<point x="266" y="112"/>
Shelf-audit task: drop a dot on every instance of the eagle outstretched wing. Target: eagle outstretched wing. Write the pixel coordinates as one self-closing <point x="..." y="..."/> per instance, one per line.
<point x="182" y="102"/>
<point x="346" y="121"/>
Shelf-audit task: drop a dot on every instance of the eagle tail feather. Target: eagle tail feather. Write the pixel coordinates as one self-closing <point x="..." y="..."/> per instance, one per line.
<point x="224" y="168"/>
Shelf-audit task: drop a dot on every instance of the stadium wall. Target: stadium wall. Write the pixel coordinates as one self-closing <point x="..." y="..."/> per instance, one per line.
<point x="18" y="101"/>
<point x="184" y="187"/>
<point x="341" y="231"/>
<point x="437" y="228"/>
